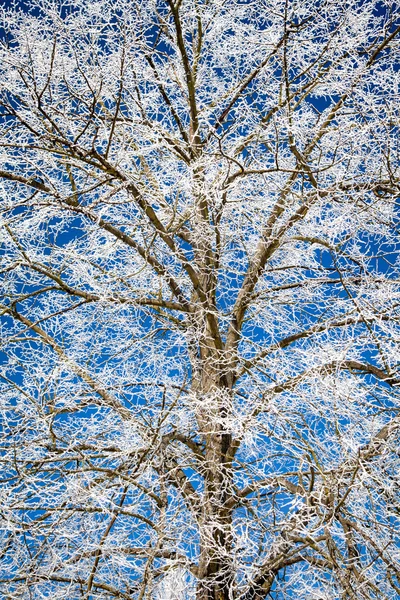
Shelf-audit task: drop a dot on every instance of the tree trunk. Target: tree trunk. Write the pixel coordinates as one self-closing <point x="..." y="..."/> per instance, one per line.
<point x="215" y="564"/>
<point x="215" y="568"/>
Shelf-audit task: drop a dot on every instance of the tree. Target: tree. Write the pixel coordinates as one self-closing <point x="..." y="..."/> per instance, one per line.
<point x="200" y="277"/>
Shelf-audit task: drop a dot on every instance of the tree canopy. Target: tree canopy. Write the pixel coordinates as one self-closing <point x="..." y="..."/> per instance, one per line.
<point x="200" y="300"/>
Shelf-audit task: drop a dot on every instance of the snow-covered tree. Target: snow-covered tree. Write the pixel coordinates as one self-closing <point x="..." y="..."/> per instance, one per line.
<point x="200" y="299"/>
